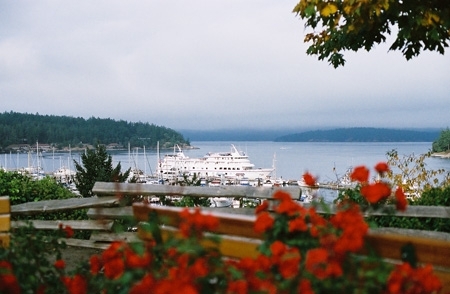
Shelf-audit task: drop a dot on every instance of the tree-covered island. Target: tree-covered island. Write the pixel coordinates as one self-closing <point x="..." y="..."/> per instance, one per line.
<point x="19" y="131"/>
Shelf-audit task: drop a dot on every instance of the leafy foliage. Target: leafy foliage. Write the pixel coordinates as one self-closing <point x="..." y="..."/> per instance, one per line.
<point x="21" y="188"/>
<point x="442" y="144"/>
<point x="18" y="128"/>
<point x="410" y="172"/>
<point x="97" y="166"/>
<point x="341" y="25"/>
<point x="436" y="196"/>
<point x="35" y="259"/>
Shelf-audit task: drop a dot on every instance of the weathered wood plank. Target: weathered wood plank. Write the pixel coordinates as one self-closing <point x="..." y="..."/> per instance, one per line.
<point x="110" y="213"/>
<point x="231" y="224"/>
<point x="414" y="233"/>
<point x="230" y="246"/>
<point x="104" y="225"/>
<point x="105" y="188"/>
<point x="411" y="211"/>
<point x="30" y="208"/>
<point x="86" y="243"/>
<point x="110" y="237"/>
<point x="433" y="251"/>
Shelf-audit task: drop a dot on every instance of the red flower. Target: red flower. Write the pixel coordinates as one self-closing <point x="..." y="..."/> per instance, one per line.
<point x="405" y="279"/>
<point x="319" y="263"/>
<point x="75" y="285"/>
<point x="400" y="199"/>
<point x="143" y="286"/>
<point x="96" y="264"/>
<point x="5" y="265"/>
<point x="382" y="167"/>
<point x="289" y="263"/>
<point x="309" y="179"/>
<point x="195" y="223"/>
<point x="360" y="174"/>
<point x="298" y="224"/>
<point x="134" y="260"/>
<point x="316" y="260"/>
<point x="114" y="268"/>
<point x="238" y="287"/>
<point x="200" y="268"/>
<point x="9" y="284"/>
<point x="262" y="207"/>
<point x="304" y="287"/>
<point x="282" y="195"/>
<point x="60" y="264"/>
<point x="69" y="231"/>
<point x="277" y="248"/>
<point x="376" y="192"/>
<point x="263" y="222"/>
<point x="288" y="207"/>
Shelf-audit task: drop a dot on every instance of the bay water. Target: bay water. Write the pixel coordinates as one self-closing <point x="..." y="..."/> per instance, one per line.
<point x="327" y="160"/>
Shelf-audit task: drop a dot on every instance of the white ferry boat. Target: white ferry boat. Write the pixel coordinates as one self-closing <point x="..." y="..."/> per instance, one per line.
<point x="234" y="164"/>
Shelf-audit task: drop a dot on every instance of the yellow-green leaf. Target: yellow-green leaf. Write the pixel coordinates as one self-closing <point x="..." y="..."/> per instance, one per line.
<point x="329" y="9"/>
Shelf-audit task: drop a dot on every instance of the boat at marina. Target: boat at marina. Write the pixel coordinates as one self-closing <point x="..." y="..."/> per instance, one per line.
<point x="64" y="175"/>
<point x="232" y="164"/>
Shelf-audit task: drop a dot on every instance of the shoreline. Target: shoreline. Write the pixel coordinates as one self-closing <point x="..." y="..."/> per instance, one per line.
<point x="444" y="155"/>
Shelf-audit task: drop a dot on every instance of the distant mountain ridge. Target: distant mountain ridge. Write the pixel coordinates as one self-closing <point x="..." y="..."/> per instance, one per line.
<point x="361" y="135"/>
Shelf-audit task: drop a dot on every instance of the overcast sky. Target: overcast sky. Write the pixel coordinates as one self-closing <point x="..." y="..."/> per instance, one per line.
<point x="205" y="64"/>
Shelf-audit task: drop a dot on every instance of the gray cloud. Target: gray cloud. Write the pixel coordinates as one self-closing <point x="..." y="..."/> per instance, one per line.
<point x="204" y="65"/>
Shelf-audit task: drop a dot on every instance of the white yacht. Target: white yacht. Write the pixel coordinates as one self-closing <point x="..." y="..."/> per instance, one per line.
<point x="233" y="164"/>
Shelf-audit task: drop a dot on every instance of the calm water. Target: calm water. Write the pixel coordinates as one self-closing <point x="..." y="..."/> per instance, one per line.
<point x="290" y="159"/>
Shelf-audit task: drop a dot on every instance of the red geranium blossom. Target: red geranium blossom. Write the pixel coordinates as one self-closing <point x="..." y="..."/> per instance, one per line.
<point x="143" y="286"/>
<point x="319" y="263"/>
<point x="9" y="284"/>
<point x="382" y="167"/>
<point x="360" y="174"/>
<point x="400" y="199"/>
<point x="195" y="222"/>
<point x="262" y="207"/>
<point x="67" y="229"/>
<point x="406" y="279"/>
<point x="96" y="264"/>
<point x="60" y="264"/>
<point x="309" y="179"/>
<point x="282" y="195"/>
<point x="263" y="222"/>
<point x="376" y="192"/>
<point x="75" y="285"/>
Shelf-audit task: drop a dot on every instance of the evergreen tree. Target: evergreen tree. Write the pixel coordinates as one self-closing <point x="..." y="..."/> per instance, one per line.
<point x="97" y="167"/>
<point x="442" y="144"/>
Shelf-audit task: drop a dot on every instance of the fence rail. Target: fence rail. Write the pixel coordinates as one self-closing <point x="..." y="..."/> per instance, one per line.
<point x="432" y="247"/>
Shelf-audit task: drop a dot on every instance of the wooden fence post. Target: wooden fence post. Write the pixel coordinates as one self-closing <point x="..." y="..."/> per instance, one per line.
<point x="5" y="221"/>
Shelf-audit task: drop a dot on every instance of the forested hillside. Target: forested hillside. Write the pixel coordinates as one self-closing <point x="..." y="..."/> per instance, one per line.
<point x="361" y="135"/>
<point x="24" y="128"/>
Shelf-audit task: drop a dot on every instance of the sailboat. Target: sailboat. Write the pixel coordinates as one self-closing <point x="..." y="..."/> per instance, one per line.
<point x="36" y="172"/>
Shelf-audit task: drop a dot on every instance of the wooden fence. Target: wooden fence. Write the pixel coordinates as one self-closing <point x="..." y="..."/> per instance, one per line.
<point x="431" y="247"/>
